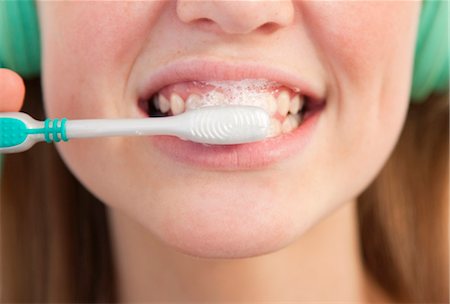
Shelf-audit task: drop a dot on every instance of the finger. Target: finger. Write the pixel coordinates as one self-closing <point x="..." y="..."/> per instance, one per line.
<point x="12" y="91"/>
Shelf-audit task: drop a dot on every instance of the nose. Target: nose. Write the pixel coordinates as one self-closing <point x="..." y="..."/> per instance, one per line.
<point x="237" y="17"/>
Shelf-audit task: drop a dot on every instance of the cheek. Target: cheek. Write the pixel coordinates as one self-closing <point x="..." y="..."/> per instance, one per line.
<point x="361" y="37"/>
<point x="88" y="49"/>
<point x="370" y="60"/>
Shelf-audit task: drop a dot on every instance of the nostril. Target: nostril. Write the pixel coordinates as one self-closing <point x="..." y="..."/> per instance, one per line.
<point x="236" y="17"/>
<point x="269" y="27"/>
<point x="206" y="24"/>
<point x="205" y="21"/>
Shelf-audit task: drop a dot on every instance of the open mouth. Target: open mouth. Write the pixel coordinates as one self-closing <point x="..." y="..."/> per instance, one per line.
<point x="295" y="104"/>
<point x="288" y="107"/>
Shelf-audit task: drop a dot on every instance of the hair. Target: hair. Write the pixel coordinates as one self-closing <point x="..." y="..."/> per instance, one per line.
<point x="55" y="242"/>
<point x="403" y="214"/>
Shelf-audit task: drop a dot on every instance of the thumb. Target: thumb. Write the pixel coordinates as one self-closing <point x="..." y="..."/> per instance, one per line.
<point x="12" y="91"/>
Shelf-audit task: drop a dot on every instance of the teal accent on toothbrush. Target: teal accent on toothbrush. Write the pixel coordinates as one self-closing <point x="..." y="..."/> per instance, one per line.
<point x="216" y="125"/>
<point x="14" y="131"/>
<point x="51" y="127"/>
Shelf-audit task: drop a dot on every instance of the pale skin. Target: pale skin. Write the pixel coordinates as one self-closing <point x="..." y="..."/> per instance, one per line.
<point x="168" y="244"/>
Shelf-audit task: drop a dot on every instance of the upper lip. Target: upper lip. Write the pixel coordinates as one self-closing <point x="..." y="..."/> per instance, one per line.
<point x="208" y="70"/>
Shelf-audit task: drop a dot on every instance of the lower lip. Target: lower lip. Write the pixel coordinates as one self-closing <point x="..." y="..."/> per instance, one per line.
<point x="257" y="155"/>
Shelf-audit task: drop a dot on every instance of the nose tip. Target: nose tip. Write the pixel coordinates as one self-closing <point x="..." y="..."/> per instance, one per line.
<point x="237" y="17"/>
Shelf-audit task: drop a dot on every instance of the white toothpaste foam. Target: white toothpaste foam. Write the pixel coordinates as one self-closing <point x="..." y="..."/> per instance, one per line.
<point x="248" y="92"/>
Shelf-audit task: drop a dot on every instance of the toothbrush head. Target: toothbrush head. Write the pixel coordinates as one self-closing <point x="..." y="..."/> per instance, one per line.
<point x="228" y="125"/>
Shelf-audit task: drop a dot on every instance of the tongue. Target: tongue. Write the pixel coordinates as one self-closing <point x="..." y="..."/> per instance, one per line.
<point x="254" y="92"/>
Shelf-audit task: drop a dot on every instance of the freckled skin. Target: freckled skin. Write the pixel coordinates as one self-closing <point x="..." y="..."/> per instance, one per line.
<point x="96" y="53"/>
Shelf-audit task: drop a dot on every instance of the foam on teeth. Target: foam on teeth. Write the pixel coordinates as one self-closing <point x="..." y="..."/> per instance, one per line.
<point x="248" y="92"/>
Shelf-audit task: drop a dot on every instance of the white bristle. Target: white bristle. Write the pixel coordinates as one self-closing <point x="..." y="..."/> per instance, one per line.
<point x="225" y="125"/>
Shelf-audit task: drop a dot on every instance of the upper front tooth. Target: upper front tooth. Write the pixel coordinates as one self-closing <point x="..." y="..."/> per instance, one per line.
<point x="271" y="105"/>
<point x="296" y="104"/>
<point x="215" y="98"/>
<point x="283" y="103"/>
<point x="164" y="104"/>
<point x="193" y="102"/>
<point x="156" y="102"/>
<point x="176" y="104"/>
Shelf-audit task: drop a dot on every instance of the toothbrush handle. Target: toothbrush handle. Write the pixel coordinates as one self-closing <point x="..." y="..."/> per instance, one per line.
<point x="88" y="128"/>
<point x="210" y="125"/>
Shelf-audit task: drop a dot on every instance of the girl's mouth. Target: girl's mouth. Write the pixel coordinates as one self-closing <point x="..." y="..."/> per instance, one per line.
<point x="294" y="104"/>
<point x="287" y="107"/>
<point x="293" y="116"/>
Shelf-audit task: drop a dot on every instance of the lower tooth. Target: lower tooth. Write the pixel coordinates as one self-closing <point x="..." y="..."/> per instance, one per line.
<point x="275" y="128"/>
<point x="291" y="122"/>
<point x="298" y="119"/>
<point x="287" y="126"/>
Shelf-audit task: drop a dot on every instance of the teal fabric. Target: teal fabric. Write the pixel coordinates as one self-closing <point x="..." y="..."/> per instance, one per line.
<point x="19" y="37"/>
<point x="431" y="61"/>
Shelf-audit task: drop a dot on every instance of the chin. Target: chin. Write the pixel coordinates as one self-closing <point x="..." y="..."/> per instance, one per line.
<point x="227" y="242"/>
<point x="228" y="225"/>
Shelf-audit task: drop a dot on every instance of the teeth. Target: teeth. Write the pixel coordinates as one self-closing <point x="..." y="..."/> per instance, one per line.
<point x="286" y="126"/>
<point x="275" y="127"/>
<point x="164" y="104"/>
<point x="156" y="102"/>
<point x="176" y="104"/>
<point x="271" y="105"/>
<point x="215" y="98"/>
<point x="283" y="106"/>
<point x="283" y="103"/>
<point x="193" y="102"/>
<point x="290" y="123"/>
<point x="296" y="104"/>
<point x="298" y="119"/>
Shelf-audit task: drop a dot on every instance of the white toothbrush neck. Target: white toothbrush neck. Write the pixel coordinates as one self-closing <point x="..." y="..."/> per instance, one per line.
<point x="123" y="127"/>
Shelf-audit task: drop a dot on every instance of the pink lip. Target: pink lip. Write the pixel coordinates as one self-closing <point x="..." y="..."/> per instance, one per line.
<point x="252" y="156"/>
<point x="256" y="155"/>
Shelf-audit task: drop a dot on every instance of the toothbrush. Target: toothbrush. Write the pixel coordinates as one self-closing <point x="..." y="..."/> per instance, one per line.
<point x="217" y="125"/>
